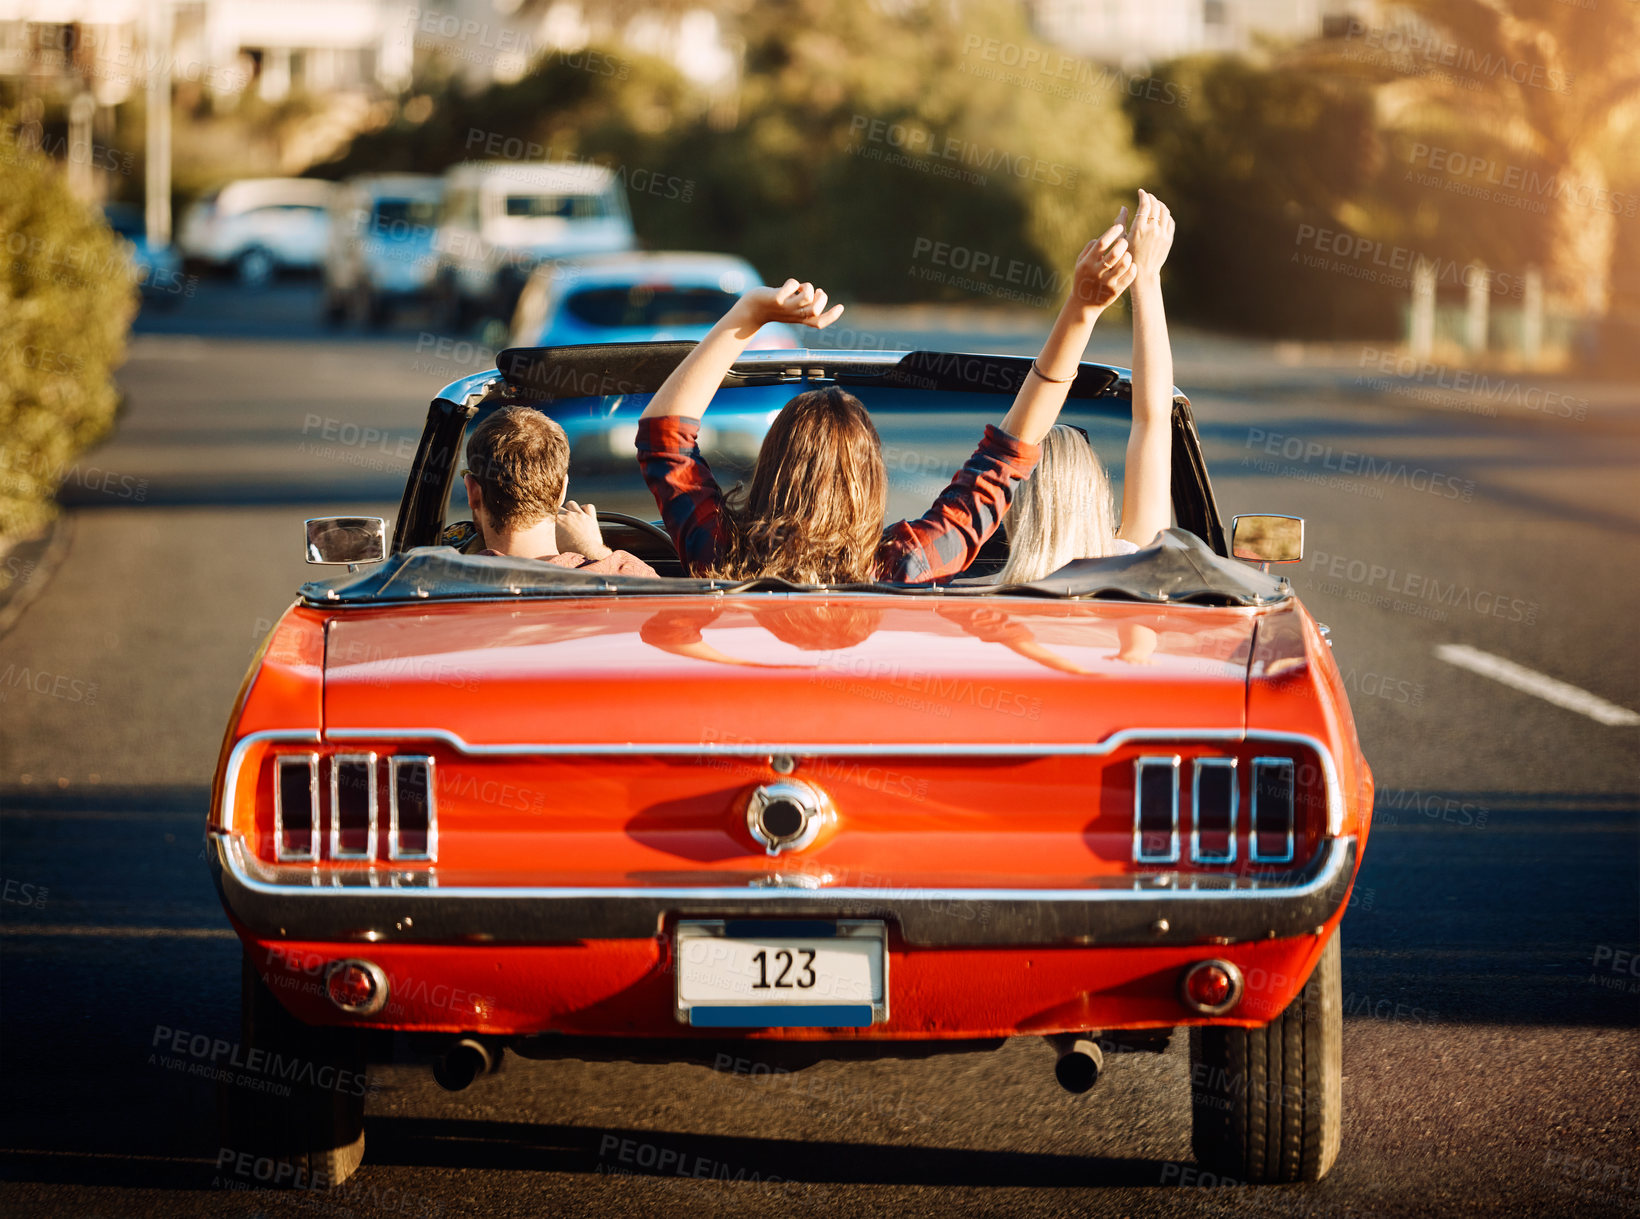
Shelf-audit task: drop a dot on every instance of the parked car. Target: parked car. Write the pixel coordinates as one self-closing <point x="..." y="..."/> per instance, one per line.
<point x="502" y="218"/>
<point x="500" y="806"/>
<point x="257" y="227"/>
<point x="380" y="254"/>
<point x="157" y="269"/>
<point x="637" y="297"/>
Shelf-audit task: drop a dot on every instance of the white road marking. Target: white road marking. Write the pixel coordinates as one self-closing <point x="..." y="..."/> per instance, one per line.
<point x="1519" y="677"/>
<point x="121" y="933"/>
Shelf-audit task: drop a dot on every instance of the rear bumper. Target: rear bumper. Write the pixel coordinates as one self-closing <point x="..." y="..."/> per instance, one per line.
<point x="1151" y="910"/>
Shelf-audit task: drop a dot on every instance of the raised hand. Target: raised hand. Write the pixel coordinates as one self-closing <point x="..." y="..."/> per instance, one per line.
<point x="796" y="304"/>
<point x="1104" y="269"/>
<point x="1151" y="236"/>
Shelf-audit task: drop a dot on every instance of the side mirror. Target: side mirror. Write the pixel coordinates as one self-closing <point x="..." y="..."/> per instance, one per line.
<point x="346" y="539"/>
<point x="1267" y="539"/>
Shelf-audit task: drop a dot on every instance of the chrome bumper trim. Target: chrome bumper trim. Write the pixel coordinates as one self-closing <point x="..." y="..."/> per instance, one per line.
<point x="1156" y="908"/>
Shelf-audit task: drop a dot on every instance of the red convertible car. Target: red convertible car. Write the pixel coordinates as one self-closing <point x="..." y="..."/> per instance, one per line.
<point x="495" y="805"/>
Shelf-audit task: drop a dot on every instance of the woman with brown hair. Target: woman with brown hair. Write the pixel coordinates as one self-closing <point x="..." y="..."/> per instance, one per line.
<point x="814" y="510"/>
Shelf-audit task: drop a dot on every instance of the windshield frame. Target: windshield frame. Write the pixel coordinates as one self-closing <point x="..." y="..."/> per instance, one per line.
<point x="544" y="376"/>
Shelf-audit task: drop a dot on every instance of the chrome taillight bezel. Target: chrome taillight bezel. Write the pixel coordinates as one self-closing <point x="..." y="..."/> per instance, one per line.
<point x="1291" y="767"/>
<point x="1199" y="765"/>
<point x="336" y="762"/>
<point x="281" y="763"/>
<point x="394" y="849"/>
<point x="1173" y="763"/>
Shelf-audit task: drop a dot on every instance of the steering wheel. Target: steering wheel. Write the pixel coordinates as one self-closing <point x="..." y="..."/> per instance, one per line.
<point x="650" y="530"/>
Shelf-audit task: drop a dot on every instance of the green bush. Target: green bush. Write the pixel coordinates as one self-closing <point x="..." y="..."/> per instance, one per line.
<point x="66" y="302"/>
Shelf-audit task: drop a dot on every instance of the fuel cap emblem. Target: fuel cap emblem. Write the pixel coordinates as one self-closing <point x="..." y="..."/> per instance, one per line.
<point x="786" y="815"/>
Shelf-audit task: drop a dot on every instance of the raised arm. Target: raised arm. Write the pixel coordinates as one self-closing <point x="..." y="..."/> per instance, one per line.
<point x="1102" y="271"/>
<point x="688" y="391"/>
<point x="1147" y="479"/>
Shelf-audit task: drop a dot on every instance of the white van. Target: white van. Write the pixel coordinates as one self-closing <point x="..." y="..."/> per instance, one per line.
<point x="501" y="219"/>
<point x="258" y="226"/>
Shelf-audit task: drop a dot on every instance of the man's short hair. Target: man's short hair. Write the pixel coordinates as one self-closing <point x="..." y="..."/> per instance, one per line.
<point x="521" y="461"/>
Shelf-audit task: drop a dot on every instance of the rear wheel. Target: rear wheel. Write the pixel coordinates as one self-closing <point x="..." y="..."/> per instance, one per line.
<point x="1268" y="1103"/>
<point x="314" y="1135"/>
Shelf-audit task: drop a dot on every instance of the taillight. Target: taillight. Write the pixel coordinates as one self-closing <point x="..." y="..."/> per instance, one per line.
<point x="1271" y="831"/>
<point x="331" y="808"/>
<point x="1156" y="809"/>
<point x="296" y="807"/>
<point x="353" y="806"/>
<point x="1214" y="796"/>
<point x="414" y="830"/>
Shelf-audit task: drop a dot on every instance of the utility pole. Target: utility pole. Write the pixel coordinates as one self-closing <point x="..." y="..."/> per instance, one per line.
<point x="81" y="178"/>
<point x="157" y="214"/>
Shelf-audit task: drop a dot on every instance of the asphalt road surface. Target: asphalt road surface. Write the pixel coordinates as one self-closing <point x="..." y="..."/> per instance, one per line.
<point x="1492" y="1059"/>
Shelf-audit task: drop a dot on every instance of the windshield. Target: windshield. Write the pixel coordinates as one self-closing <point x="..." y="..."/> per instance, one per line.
<point x="399" y="212"/>
<point x="649" y="305"/>
<point x="568" y="207"/>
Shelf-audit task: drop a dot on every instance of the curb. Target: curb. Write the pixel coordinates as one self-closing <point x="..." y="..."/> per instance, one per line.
<point x="38" y="558"/>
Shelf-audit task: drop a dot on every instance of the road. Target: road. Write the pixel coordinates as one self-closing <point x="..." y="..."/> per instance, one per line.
<point x="1492" y="1051"/>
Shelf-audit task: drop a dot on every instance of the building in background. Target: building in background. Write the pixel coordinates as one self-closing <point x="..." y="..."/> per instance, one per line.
<point x="1136" y="34"/>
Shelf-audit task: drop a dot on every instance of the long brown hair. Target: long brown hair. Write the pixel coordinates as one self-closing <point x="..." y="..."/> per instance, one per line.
<point x="813" y="513"/>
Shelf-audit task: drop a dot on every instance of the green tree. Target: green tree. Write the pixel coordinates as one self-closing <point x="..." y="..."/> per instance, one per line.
<point x="1554" y="86"/>
<point x="66" y="302"/>
<point x="859" y="135"/>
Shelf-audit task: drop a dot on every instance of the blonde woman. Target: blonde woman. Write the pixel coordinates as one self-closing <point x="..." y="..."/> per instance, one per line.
<point x="1065" y="509"/>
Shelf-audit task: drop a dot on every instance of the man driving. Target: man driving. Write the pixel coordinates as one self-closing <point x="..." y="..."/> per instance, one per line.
<point x="517" y="477"/>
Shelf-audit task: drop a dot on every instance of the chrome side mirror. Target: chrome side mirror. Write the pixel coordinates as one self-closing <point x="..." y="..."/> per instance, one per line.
<point x="346" y="539"/>
<point x="1267" y="539"/>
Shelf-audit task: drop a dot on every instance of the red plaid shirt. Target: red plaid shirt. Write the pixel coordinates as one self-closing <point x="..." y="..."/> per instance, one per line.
<point x="941" y="542"/>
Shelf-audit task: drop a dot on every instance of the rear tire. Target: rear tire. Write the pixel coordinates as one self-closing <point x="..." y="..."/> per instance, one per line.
<point x="1268" y="1103"/>
<point x="314" y="1136"/>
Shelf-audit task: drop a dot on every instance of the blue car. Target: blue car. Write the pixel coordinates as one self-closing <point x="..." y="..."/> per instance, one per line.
<point x="156" y="269"/>
<point x="642" y="297"/>
<point x="637" y="297"/>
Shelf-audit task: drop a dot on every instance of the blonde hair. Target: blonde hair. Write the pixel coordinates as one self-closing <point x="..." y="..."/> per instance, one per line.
<point x="814" y="511"/>
<point x="1063" y="511"/>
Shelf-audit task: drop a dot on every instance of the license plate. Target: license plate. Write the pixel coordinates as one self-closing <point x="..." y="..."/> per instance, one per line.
<point x="734" y="973"/>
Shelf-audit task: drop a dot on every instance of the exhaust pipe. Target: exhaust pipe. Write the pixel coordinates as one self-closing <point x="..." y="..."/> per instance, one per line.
<point x="1080" y="1063"/>
<point x="464" y="1062"/>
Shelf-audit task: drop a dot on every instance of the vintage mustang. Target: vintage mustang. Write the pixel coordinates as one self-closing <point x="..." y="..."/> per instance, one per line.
<point x="493" y="804"/>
